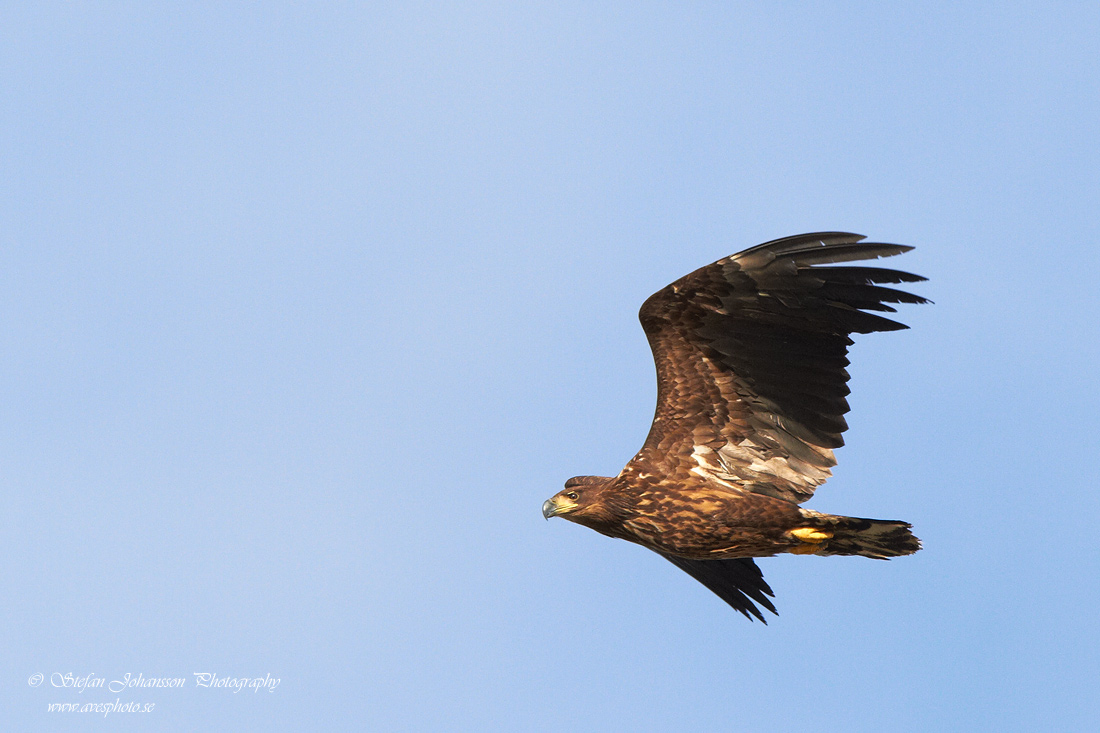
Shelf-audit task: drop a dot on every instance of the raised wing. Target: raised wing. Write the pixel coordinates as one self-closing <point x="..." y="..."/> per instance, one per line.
<point x="751" y="354"/>
<point x="738" y="582"/>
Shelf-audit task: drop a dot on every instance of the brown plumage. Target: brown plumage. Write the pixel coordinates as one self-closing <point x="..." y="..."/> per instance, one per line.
<point x="751" y="384"/>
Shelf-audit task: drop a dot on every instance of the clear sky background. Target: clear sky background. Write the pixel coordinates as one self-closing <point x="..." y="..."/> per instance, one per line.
<point x="305" y="310"/>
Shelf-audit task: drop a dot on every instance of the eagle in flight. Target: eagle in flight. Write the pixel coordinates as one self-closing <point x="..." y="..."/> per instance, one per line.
<point x="751" y="384"/>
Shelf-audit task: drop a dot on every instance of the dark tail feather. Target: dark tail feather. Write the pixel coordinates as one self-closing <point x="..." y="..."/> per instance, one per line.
<point x="878" y="538"/>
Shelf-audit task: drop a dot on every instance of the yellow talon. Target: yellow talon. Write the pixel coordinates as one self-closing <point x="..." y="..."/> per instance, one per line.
<point x="809" y="534"/>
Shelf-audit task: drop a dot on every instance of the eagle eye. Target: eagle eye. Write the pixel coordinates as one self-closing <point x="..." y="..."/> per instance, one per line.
<point x="572" y="495"/>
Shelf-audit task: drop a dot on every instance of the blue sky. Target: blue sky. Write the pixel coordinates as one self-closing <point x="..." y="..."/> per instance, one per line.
<point x="306" y="310"/>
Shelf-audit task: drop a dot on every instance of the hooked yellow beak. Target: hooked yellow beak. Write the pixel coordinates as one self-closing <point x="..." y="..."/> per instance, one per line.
<point x="556" y="505"/>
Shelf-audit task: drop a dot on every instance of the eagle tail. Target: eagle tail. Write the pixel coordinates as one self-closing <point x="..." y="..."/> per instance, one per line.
<point x="877" y="538"/>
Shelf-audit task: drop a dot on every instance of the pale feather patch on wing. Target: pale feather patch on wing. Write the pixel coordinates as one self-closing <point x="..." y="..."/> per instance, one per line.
<point x="747" y="466"/>
<point x="709" y="465"/>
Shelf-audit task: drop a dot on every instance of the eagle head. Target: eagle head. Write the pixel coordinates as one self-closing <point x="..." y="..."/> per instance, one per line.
<point x="581" y="501"/>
